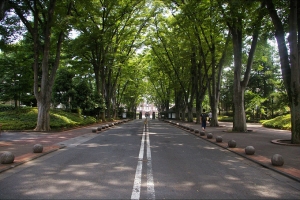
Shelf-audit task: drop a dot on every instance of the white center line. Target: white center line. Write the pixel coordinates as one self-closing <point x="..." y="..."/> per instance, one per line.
<point x="136" y="190"/>
<point x="150" y="183"/>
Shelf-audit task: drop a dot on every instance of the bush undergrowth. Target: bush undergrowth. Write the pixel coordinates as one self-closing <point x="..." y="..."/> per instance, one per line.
<point x="280" y="122"/>
<point x="26" y="118"/>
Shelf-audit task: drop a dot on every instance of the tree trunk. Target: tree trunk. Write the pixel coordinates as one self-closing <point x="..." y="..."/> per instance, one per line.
<point x="239" y="119"/>
<point x="295" y="71"/>
<point x="290" y="70"/>
<point x="43" y="120"/>
<point x="48" y="68"/>
<point x="239" y="86"/>
<point x="216" y="94"/>
<point x="194" y="83"/>
<point x="213" y="93"/>
<point x="43" y="91"/>
<point x="3" y="8"/>
<point x="190" y="113"/>
<point x="108" y="107"/>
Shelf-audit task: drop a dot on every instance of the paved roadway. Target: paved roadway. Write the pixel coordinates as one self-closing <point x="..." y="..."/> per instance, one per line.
<point x="144" y="161"/>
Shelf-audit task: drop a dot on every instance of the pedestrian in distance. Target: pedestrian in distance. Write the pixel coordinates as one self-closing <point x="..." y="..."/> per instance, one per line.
<point x="203" y="119"/>
<point x="209" y="116"/>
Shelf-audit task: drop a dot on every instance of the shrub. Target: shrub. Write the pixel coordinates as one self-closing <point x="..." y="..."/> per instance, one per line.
<point x="224" y="118"/>
<point x="26" y="118"/>
<point x="280" y="122"/>
<point x="6" y="107"/>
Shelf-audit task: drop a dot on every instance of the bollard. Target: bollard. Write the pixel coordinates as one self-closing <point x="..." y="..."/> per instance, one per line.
<point x="249" y="150"/>
<point x="277" y="160"/>
<point x="219" y="139"/>
<point x="232" y="144"/>
<point x="37" y="148"/>
<point x="7" y="157"/>
<point x="209" y="135"/>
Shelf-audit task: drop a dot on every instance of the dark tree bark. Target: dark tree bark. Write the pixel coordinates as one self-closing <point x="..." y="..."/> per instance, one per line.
<point x="3" y="7"/>
<point x="216" y="87"/>
<point x="290" y="68"/>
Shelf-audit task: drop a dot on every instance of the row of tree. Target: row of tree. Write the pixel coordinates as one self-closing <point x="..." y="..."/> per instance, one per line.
<point x="190" y="50"/>
<point x="191" y="44"/>
<point x="103" y="52"/>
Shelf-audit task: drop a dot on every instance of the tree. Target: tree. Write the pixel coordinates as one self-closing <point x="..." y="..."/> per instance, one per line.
<point x="200" y="44"/>
<point x="46" y="22"/>
<point x="290" y="66"/>
<point x="83" y="95"/>
<point x="265" y="81"/>
<point x="212" y="46"/>
<point x="235" y="18"/>
<point x="160" y="86"/>
<point x="108" y="37"/>
<point x="16" y="80"/>
<point x="226" y="91"/>
<point x="131" y="87"/>
<point x="63" y="89"/>
<point x="172" y="55"/>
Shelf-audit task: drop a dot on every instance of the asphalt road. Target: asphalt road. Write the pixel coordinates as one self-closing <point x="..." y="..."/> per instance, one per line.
<point x="139" y="160"/>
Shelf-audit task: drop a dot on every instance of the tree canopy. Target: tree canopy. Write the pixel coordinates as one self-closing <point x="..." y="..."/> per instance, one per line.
<point x="106" y="56"/>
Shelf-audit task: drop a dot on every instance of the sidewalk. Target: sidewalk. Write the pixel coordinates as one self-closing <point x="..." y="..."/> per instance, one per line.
<point x="21" y="144"/>
<point x="264" y="140"/>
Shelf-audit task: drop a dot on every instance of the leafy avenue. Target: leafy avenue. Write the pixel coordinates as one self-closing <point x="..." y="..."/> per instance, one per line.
<point x="232" y="57"/>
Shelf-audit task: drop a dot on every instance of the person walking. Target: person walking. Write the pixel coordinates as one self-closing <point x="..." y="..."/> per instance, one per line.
<point x="209" y="116"/>
<point x="203" y="119"/>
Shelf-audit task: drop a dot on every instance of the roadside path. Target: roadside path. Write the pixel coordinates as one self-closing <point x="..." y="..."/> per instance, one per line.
<point x="21" y="143"/>
<point x="261" y="138"/>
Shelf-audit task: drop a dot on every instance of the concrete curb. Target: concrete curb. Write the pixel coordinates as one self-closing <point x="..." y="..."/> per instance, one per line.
<point x="28" y="157"/>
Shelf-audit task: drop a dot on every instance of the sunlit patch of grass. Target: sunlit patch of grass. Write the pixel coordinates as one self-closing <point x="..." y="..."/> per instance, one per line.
<point x="26" y="119"/>
<point x="57" y="121"/>
<point x="62" y="119"/>
<point x="280" y="122"/>
<point x="224" y="118"/>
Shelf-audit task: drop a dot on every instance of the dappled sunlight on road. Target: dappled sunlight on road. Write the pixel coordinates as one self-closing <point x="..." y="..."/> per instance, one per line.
<point x="94" y="145"/>
<point x="229" y="177"/>
<point x="60" y="183"/>
<point x="266" y="191"/>
<point x="209" y="147"/>
<point x="183" y="166"/>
